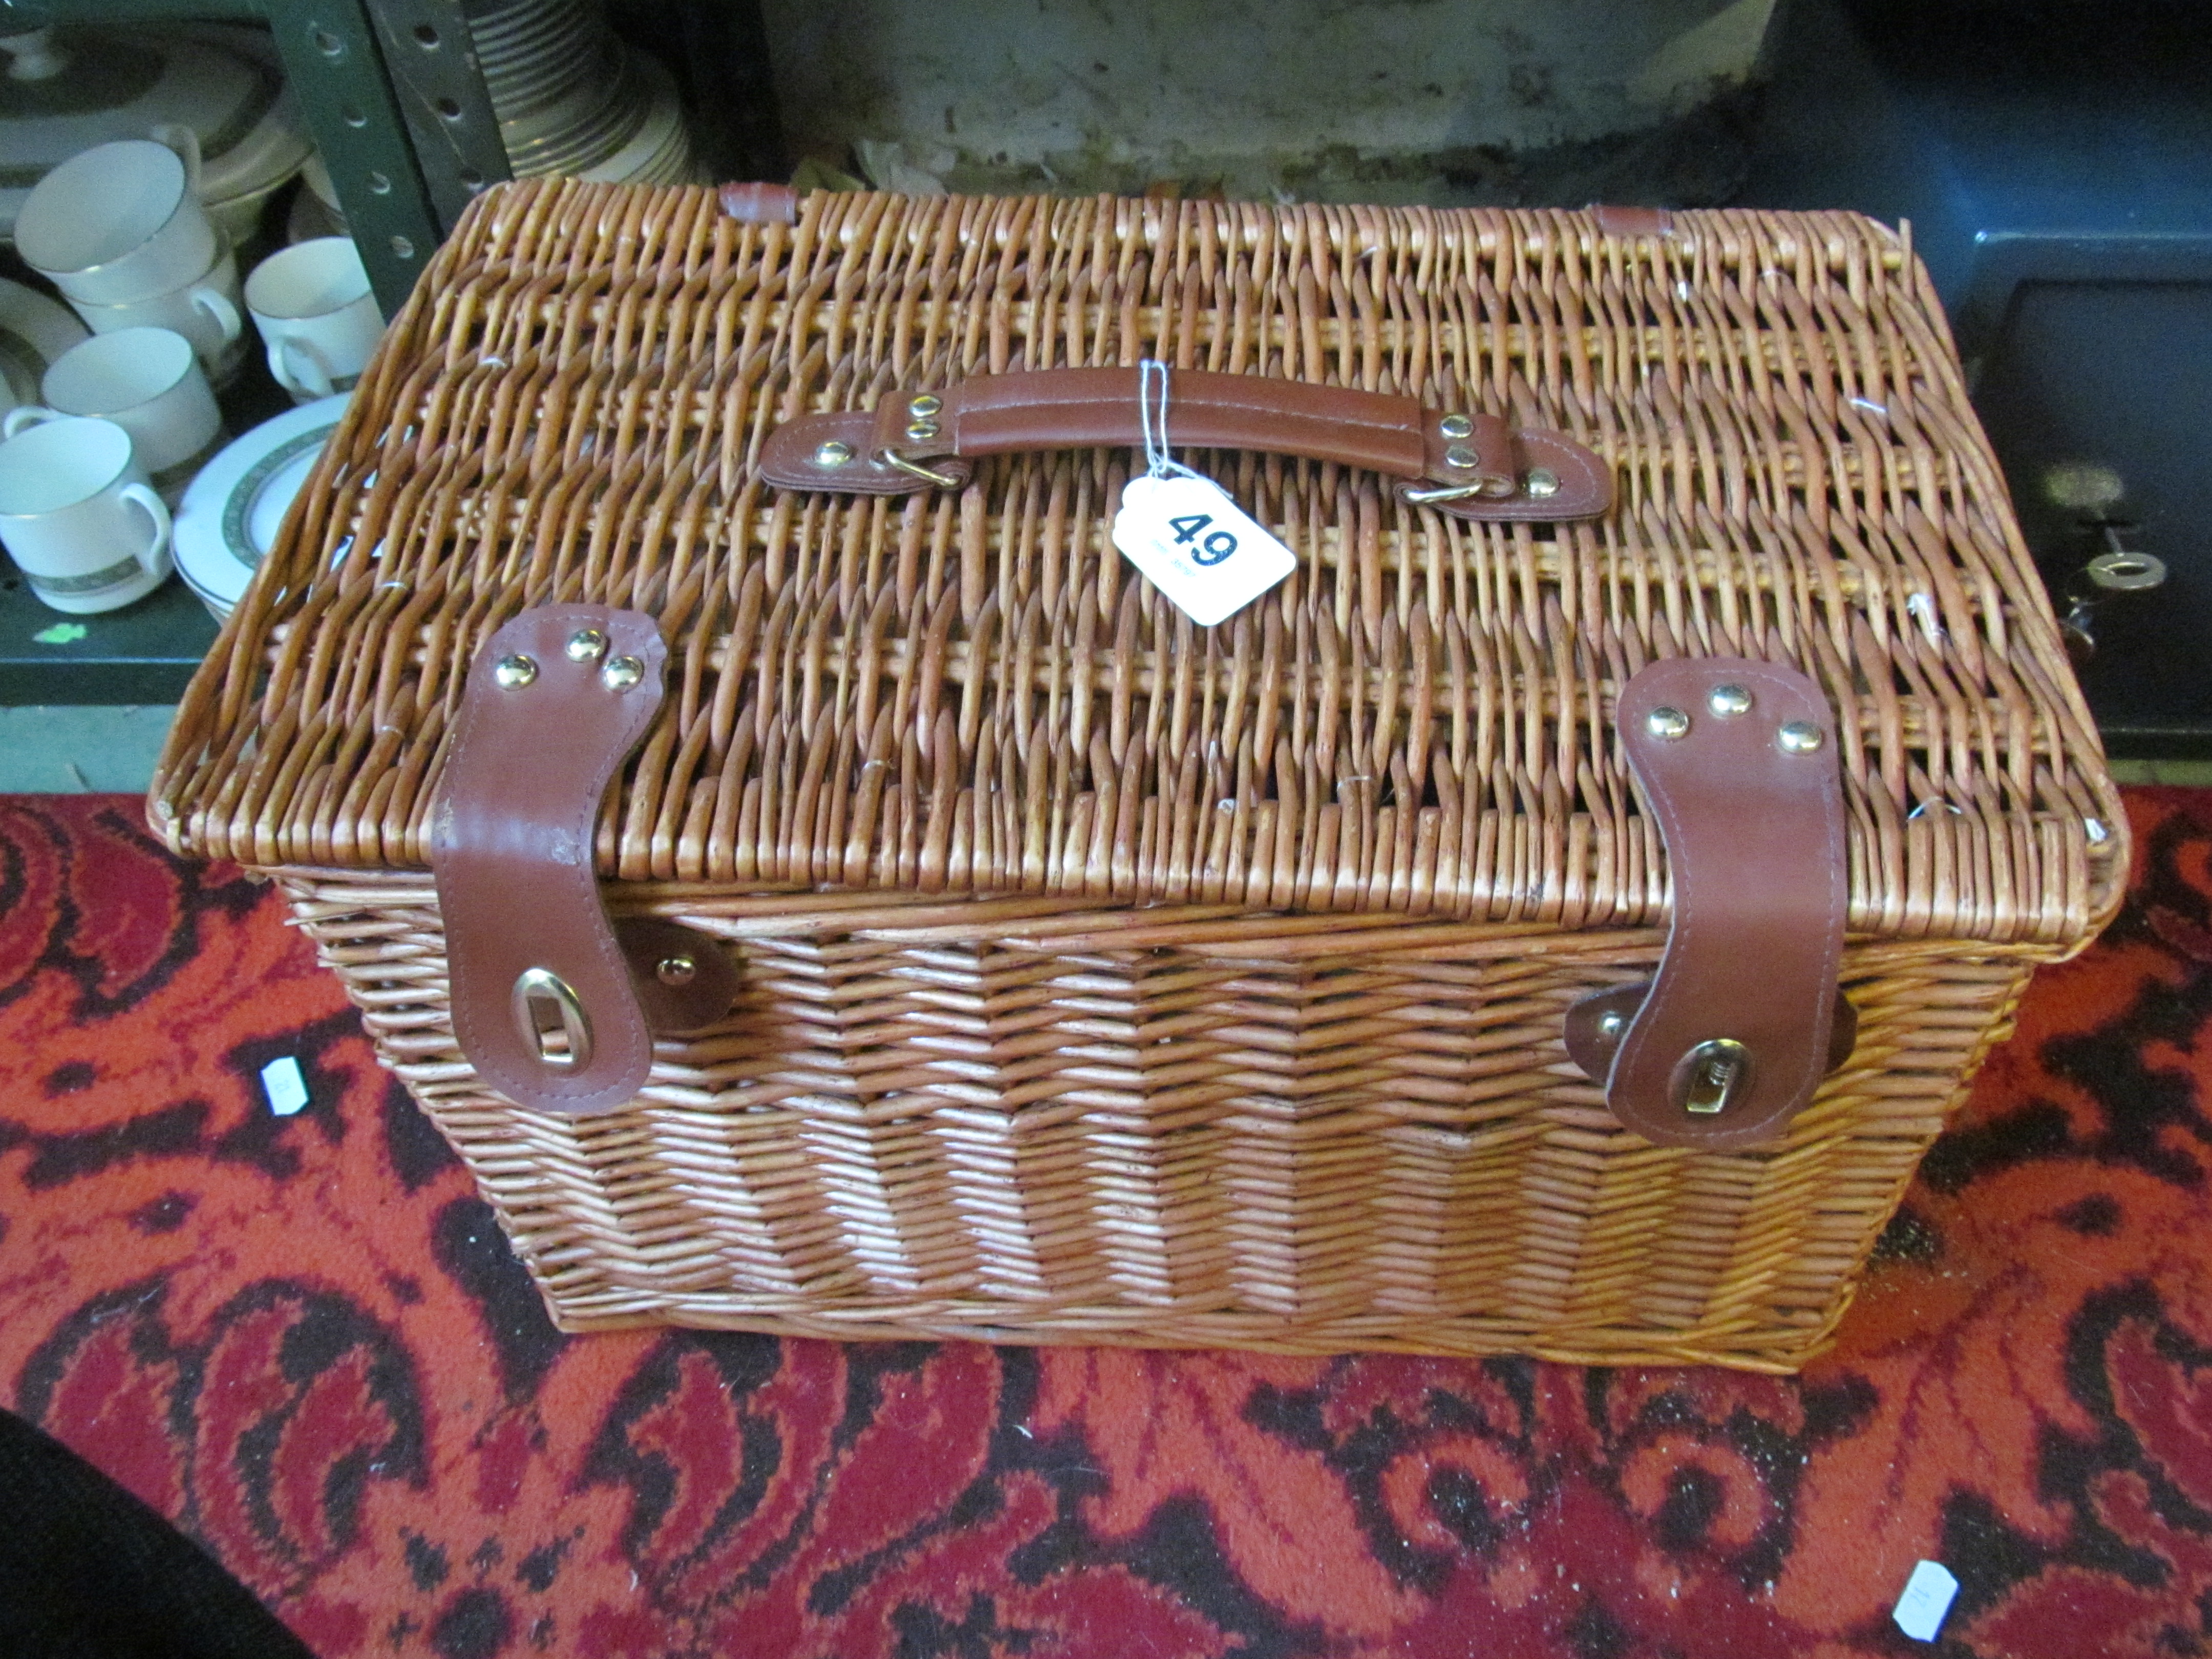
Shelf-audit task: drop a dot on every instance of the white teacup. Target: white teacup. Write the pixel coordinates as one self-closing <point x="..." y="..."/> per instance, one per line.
<point x="149" y="382"/>
<point x="117" y="222"/>
<point x="317" y="314"/>
<point x="81" y="518"/>
<point x="207" y="311"/>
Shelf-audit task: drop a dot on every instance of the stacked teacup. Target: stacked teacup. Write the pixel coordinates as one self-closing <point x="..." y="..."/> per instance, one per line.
<point x="120" y="231"/>
<point x="87" y="480"/>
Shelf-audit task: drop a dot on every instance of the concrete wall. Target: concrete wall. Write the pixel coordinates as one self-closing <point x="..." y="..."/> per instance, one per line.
<point x="1103" y="91"/>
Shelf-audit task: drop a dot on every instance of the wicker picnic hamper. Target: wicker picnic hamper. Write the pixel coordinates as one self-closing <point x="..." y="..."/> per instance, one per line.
<point x="1079" y="973"/>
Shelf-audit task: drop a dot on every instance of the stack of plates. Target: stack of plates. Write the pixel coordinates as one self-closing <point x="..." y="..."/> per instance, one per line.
<point x="572" y="99"/>
<point x="660" y="151"/>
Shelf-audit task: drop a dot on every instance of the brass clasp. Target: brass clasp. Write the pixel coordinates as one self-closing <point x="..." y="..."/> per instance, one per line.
<point x="551" y="1020"/>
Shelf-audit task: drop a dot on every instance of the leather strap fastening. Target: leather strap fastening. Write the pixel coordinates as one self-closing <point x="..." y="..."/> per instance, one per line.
<point x="1737" y="1028"/>
<point x="1472" y="465"/>
<point x="555" y="704"/>
<point x="1596" y="1024"/>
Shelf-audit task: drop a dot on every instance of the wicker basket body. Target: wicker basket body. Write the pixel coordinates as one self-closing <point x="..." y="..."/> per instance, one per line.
<point x="1109" y="979"/>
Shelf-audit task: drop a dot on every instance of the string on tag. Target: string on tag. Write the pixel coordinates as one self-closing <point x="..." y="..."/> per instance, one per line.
<point x="1204" y="554"/>
<point x="1152" y="421"/>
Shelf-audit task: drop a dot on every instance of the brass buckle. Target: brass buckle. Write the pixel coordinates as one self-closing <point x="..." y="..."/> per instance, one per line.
<point x="1488" y="487"/>
<point x="540" y="993"/>
<point x="942" y="480"/>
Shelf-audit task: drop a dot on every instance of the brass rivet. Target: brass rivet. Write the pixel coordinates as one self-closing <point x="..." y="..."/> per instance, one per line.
<point x="676" y="970"/>
<point x="1800" y="738"/>
<point x="1540" y="483"/>
<point x="925" y="406"/>
<point x="586" y="644"/>
<point x="1729" y="700"/>
<point x="621" y="672"/>
<point x="1667" y="723"/>
<point x="1612" y="1023"/>
<point x="1456" y="425"/>
<point x="922" y="431"/>
<point x="833" y="454"/>
<point x="514" y="672"/>
<point x="1462" y="455"/>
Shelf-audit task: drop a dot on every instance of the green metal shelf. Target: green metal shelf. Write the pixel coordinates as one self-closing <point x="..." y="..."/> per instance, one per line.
<point x="144" y="652"/>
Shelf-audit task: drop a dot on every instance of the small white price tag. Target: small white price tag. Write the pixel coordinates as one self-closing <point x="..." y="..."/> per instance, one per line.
<point x="1197" y="546"/>
<point x="1927" y="1596"/>
<point x="285" y="1086"/>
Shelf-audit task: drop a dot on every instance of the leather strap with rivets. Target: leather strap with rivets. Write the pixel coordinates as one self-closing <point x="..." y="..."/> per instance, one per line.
<point x="1736" y="760"/>
<point x="1466" y="463"/>
<point x="551" y="1007"/>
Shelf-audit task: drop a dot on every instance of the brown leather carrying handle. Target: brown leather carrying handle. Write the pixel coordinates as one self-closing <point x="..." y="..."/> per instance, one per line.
<point x="555" y="1005"/>
<point x="1472" y="465"/>
<point x="1737" y="761"/>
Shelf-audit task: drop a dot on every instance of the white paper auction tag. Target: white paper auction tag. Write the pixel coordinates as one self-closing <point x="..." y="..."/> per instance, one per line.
<point x="285" y="1086"/>
<point x="1927" y="1596"/>
<point x="1197" y="546"/>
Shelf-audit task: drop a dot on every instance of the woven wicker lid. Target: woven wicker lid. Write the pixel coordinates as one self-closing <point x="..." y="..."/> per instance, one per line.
<point x="971" y="692"/>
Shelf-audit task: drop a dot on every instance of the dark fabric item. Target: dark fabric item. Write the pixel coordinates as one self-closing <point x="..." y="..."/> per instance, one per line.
<point x="304" y="1341"/>
<point x="87" y="1571"/>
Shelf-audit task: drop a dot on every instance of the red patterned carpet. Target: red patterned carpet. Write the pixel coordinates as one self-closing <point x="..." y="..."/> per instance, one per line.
<point x="303" y="1340"/>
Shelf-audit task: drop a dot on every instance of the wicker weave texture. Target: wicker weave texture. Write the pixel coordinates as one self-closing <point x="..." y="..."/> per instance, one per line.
<point x="984" y="1119"/>
<point x="973" y="692"/>
<point x="1110" y="979"/>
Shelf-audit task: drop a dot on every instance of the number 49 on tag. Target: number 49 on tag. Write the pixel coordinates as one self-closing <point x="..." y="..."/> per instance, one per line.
<point x="1217" y="545"/>
<point x="1197" y="546"/>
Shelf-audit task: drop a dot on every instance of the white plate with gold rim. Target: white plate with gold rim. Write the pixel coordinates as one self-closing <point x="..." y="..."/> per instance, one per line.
<point x="231" y="513"/>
